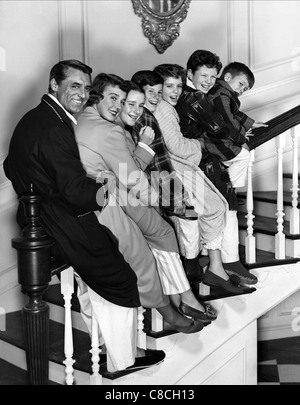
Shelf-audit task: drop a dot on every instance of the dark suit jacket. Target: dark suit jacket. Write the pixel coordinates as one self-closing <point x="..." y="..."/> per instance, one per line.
<point x="43" y="152"/>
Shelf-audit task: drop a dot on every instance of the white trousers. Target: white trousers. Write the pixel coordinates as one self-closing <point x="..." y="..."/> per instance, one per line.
<point x="172" y="275"/>
<point x="189" y="237"/>
<point x="230" y="245"/>
<point x="237" y="168"/>
<point x="117" y="326"/>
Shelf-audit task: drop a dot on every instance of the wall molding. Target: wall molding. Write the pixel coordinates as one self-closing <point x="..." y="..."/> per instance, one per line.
<point x="72" y="29"/>
<point x="271" y="64"/>
<point x="284" y="92"/>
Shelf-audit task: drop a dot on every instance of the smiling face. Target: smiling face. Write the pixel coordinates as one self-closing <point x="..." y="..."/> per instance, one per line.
<point x="111" y="105"/>
<point x="153" y="96"/>
<point x="238" y="83"/>
<point x="172" y="90"/>
<point x="133" y="107"/>
<point x="73" y="91"/>
<point x="204" y="78"/>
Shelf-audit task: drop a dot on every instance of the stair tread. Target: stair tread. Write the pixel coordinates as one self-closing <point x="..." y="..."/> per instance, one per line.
<point x="13" y="375"/>
<point x="290" y="175"/>
<point x="270" y="197"/>
<point x="266" y="225"/>
<point x="53" y="295"/>
<point x="81" y="340"/>
<point x="264" y="259"/>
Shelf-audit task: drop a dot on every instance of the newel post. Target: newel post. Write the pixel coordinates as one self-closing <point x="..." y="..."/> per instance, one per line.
<point x="34" y="274"/>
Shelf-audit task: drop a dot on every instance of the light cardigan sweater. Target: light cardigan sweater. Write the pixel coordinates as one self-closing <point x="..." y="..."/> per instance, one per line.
<point x="177" y="144"/>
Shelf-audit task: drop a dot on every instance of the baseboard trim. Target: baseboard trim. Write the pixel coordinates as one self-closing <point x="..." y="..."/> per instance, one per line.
<point x="275" y="332"/>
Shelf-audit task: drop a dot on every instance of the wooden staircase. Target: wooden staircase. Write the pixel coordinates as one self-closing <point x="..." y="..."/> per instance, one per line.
<point x="265" y="226"/>
<point x="12" y="345"/>
<point x="197" y="354"/>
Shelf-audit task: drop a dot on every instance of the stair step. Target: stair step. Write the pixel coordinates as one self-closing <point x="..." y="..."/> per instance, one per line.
<point x="81" y="340"/>
<point x="82" y="344"/>
<point x="13" y="375"/>
<point x="289" y="176"/>
<point x="53" y="295"/>
<point x="270" y="197"/>
<point x="264" y="259"/>
<point x="267" y="226"/>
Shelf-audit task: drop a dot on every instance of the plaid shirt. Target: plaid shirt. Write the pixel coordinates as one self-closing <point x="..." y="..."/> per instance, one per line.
<point x="171" y="194"/>
<point x="198" y="119"/>
<point x="227" y="103"/>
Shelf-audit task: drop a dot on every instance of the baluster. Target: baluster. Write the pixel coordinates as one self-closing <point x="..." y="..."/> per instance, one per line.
<point x="280" y="236"/>
<point x="67" y="289"/>
<point x="294" y="218"/>
<point x="141" y="338"/>
<point x="250" y="243"/>
<point x="157" y="323"/>
<point x="96" y="377"/>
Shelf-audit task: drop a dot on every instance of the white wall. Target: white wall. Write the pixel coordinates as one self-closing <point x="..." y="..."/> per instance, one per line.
<point x="108" y="35"/>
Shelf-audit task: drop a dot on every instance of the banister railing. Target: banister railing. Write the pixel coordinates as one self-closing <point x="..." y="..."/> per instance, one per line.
<point x="35" y="270"/>
<point x="278" y="128"/>
<point x="36" y="267"/>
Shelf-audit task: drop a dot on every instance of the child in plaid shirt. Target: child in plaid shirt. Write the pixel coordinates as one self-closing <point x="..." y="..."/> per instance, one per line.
<point x="236" y="78"/>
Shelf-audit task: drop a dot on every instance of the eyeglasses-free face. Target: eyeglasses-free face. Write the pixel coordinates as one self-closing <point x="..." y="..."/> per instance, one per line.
<point x="133" y="107"/>
<point x="72" y="92"/>
<point x="153" y="96"/>
<point x="111" y="104"/>
<point x="204" y="78"/>
<point x="172" y="90"/>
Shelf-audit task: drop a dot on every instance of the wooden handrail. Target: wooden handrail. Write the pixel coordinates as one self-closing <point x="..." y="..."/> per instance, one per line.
<point x="276" y="126"/>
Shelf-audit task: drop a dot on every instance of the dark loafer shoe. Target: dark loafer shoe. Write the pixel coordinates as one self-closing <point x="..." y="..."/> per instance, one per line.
<point x="195" y="326"/>
<point x="204" y="317"/>
<point x="237" y="269"/>
<point x="213" y="280"/>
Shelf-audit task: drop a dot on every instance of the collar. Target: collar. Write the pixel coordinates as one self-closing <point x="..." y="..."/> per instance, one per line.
<point x="147" y="111"/>
<point x="72" y="118"/>
<point x="226" y="86"/>
<point x="190" y="84"/>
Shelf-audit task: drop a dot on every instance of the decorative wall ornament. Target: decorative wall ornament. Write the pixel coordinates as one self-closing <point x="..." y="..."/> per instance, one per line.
<point x="161" y="19"/>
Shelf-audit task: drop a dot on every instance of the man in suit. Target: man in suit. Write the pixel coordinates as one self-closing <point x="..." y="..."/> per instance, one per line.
<point x="43" y="153"/>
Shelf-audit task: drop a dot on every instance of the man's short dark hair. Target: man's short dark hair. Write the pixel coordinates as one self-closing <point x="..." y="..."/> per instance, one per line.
<point x="203" y="58"/>
<point x="59" y="72"/>
<point x="147" y="77"/>
<point x="167" y="70"/>
<point x="238" y="68"/>
<point x="99" y="84"/>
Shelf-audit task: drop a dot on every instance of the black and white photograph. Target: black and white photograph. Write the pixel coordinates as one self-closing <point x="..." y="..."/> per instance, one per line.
<point x="149" y="195"/>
